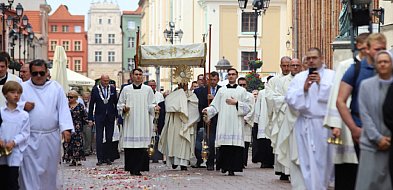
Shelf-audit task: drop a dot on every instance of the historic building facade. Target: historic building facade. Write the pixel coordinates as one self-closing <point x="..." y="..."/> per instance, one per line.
<point x="69" y="31"/>
<point x="130" y="22"/>
<point x="104" y="41"/>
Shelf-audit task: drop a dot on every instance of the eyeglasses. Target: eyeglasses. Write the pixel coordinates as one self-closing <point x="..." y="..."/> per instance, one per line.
<point x="293" y="65"/>
<point x="35" y="73"/>
<point x="70" y="97"/>
<point x="242" y="84"/>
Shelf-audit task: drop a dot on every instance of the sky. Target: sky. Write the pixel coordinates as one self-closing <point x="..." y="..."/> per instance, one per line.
<point x="81" y="7"/>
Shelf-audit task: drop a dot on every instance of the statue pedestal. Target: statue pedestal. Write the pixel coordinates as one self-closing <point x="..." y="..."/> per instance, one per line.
<point x="341" y="51"/>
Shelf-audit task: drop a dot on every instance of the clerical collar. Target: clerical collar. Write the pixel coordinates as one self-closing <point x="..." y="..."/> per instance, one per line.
<point x="231" y="86"/>
<point x="136" y="86"/>
<point x="3" y="79"/>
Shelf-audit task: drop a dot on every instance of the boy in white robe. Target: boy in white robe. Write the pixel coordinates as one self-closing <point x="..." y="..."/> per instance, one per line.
<point x="308" y="94"/>
<point x="14" y="133"/>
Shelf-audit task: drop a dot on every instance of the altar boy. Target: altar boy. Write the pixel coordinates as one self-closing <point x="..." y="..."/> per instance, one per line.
<point x="14" y="133"/>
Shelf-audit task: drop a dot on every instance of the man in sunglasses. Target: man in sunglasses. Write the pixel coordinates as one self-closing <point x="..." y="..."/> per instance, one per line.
<point x="5" y="76"/>
<point x="49" y="116"/>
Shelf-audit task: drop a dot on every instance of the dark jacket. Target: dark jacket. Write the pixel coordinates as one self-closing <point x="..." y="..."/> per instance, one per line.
<point x="201" y="93"/>
<point x="101" y="110"/>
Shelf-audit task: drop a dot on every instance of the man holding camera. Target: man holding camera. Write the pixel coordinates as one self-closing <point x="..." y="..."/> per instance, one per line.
<point x="308" y="94"/>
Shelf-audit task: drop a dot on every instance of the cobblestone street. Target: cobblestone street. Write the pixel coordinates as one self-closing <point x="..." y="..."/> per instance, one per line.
<point x="88" y="176"/>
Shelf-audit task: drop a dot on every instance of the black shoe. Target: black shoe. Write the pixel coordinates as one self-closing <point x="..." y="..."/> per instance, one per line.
<point x="164" y="162"/>
<point x="154" y="161"/>
<point x="99" y="163"/>
<point x="231" y="173"/>
<point x="284" y="177"/>
<point x="266" y="166"/>
<point x="73" y="163"/>
<point x="174" y="166"/>
<point x="108" y="162"/>
<point x="138" y="173"/>
<point x="183" y="168"/>
<point x="210" y="168"/>
<point x="223" y="171"/>
<point x="196" y="166"/>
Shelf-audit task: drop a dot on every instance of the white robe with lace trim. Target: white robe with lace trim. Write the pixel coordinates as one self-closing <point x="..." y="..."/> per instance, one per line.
<point x="230" y="124"/>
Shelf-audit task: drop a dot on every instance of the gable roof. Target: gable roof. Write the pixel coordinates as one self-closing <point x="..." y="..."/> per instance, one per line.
<point x="62" y="13"/>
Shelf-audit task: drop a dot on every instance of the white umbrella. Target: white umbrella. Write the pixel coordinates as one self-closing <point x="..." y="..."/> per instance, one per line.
<point x="59" y="70"/>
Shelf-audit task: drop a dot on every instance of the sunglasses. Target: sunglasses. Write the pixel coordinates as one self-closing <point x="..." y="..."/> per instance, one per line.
<point x="242" y="84"/>
<point x="70" y="97"/>
<point x="35" y="73"/>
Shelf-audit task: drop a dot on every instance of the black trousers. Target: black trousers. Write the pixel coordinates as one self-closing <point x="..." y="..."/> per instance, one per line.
<point x="245" y="153"/>
<point x="345" y="174"/>
<point x="9" y="177"/>
<point x="104" y="150"/>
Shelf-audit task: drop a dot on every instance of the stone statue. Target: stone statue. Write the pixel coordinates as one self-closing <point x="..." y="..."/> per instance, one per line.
<point x="344" y="21"/>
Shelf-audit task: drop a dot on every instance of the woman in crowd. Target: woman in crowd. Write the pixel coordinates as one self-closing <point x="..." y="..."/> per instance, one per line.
<point x="73" y="151"/>
<point x="375" y="139"/>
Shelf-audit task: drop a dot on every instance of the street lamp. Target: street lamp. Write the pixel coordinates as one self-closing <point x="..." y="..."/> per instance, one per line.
<point x="258" y="6"/>
<point x="4" y="8"/>
<point x="171" y="33"/>
<point x="222" y="66"/>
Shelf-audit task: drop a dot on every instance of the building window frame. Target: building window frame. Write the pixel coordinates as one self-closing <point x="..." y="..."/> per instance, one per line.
<point x="98" y="38"/>
<point x="66" y="45"/>
<point x="53" y="28"/>
<point x="100" y="21"/>
<point x="245" y="56"/>
<point x="77" y="47"/>
<point x="98" y="56"/>
<point x="65" y="28"/>
<point x="111" y="38"/>
<point x="111" y="56"/>
<point x="78" y="65"/>
<point x="52" y="45"/>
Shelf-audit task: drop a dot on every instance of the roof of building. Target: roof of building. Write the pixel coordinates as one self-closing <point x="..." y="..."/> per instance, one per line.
<point x="138" y="11"/>
<point x="34" y="20"/>
<point x="62" y="13"/>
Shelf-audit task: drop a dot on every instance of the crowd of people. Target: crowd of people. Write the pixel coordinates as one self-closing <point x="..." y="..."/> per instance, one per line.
<point x="316" y="127"/>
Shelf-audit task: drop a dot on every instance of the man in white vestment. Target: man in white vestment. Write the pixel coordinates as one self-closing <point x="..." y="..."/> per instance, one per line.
<point x="308" y="94"/>
<point x="25" y="72"/>
<point x="5" y="76"/>
<point x="262" y="150"/>
<point x="277" y="106"/>
<point x="232" y="103"/>
<point x="49" y="117"/>
<point x="248" y="120"/>
<point x="177" y="140"/>
<point x="286" y="148"/>
<point x="136" y="105"/>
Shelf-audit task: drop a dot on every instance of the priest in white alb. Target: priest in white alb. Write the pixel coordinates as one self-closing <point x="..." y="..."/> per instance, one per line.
<point x="286" y="148"/>
<point x="177" y="140"/>
<point x="136" y="106"/>
<point x="50" y="116"/>
<point x="308" y="94"/>
<point x="231" y="103"/>
<point x="276" y="104"/>
<point x="262" y="150"/>
<point x="5" y="76"/>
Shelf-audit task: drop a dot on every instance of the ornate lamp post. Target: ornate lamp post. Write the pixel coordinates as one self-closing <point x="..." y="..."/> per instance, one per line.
<point x="222" y="66"/>
<point x="258" y="6"/>
<point x="4" y="8"/>
<point x="169" y="35"/>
